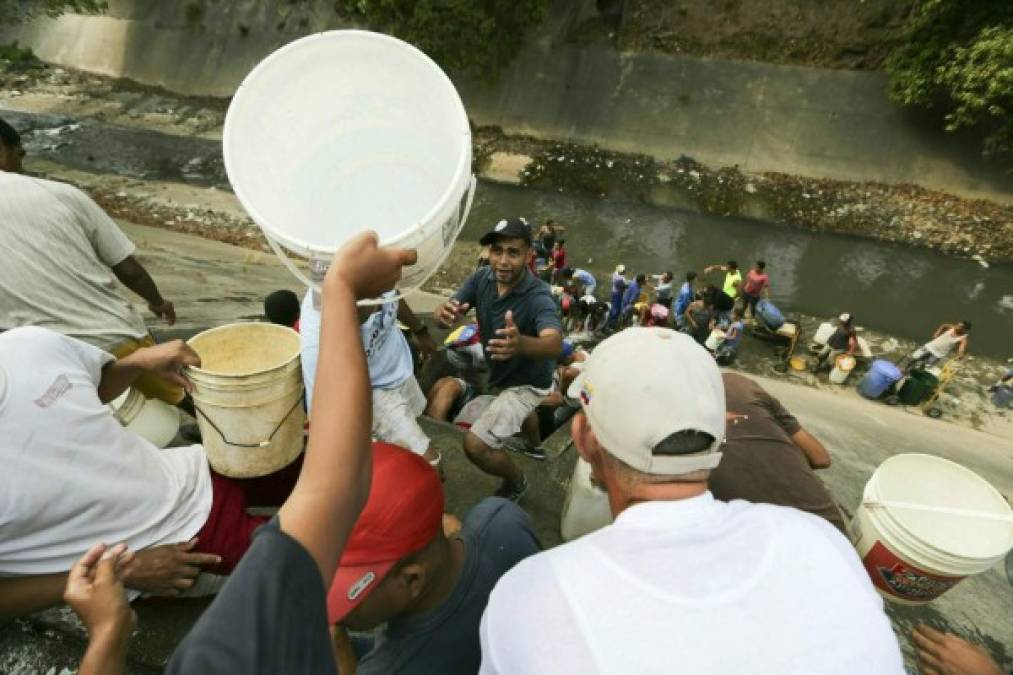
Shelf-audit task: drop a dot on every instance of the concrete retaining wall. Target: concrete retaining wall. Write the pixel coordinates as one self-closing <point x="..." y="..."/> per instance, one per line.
<point x="803" y="121"/>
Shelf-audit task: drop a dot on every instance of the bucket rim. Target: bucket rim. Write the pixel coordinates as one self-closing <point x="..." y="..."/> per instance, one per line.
<point x="272" y="326"/>
<point x="886" y="519"/>
<point x="459" y="181"/>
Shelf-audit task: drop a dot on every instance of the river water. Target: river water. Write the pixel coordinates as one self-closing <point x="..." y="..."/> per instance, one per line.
<point x="904" y="291"/>
<point x="890" y="288"/>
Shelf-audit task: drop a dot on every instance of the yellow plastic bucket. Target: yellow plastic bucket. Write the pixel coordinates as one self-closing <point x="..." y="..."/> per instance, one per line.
<point x="248" y="392"/>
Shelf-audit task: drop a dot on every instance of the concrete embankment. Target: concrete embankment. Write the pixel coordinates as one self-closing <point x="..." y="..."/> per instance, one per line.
<point x="758" y="117"/>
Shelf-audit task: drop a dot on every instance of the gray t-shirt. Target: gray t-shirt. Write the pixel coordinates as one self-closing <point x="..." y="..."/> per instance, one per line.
<point x="59" y="247"/>
<point x="533" y="311"/>
<point x="497" y="535"/>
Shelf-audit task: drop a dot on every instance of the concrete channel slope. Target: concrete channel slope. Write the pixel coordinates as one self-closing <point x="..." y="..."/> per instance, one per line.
<point x="213" y="283"/>
<point x="762" y="117"/>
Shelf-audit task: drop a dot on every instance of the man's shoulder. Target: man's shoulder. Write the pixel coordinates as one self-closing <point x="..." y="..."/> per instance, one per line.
<point x="496" y="513"/>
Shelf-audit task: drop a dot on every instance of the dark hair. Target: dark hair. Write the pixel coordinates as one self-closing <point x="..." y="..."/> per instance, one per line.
<point x="641" y="278"/>
<point x="760" y="265"/>
<point x="690" y="276"/>
<point x="966" y="324"/>
<point x="560" y="242"/>
<point x="734" y="265"/>
<point x="685" y="442"/>
<point x="550" y="221"/>
<point x="282" y="307"/>
<point x="567" y="272"/>
<point x="9" y="136"/>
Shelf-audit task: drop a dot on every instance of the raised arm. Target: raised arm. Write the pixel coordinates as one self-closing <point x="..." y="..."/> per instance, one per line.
<point x="336" y="474"/>
<point x="133" y="275"/>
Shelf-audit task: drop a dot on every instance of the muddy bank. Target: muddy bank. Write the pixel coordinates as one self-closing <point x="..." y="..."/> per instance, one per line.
<point x="906" y="214"/>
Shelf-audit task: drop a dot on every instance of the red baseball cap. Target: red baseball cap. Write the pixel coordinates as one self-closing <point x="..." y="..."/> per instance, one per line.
<point x="403" y="514"/>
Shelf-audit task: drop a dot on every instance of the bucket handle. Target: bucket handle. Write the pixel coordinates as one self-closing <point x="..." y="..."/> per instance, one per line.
<point x="264" y="443"/>
<point x="469" y="197"/>
<point x="941" y="509"/>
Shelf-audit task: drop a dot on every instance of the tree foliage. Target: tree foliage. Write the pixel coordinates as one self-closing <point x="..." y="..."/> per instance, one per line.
<point x="478" y="37"/>
<point x="958" y="58"/>
<point x="16" y="11"/>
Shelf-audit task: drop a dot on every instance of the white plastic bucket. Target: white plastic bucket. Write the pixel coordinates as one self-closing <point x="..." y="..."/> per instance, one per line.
<point x="248" y="392"/>
<point x="925" y="523"/>
<point x="586" y="508"/>
<point x="151" y="419"/>
<point x="842" y="369"/>
<point x="348" y="130"/>
<point x="715" y="339"/>
<point x="823" y="333"/>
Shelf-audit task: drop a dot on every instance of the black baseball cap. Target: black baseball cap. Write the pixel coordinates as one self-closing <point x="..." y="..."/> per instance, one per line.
<point x="513" y="228"/>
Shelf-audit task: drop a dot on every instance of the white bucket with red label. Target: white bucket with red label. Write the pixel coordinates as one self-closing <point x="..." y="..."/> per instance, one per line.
<point x="925" y="523"/>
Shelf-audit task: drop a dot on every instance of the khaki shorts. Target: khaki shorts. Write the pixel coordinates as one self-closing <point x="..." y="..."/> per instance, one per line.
<point x="504" y="416"/>
<point x="395" y="416"/>
<point x="149" y="384"/>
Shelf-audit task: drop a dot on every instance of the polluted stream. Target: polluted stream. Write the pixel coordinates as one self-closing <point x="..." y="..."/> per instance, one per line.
<point x="890" y="288"/>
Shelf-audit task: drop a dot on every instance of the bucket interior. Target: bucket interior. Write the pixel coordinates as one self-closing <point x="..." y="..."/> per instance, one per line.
<point x="245" y="348"/>
<point x="936" y="482"/>
<point x="357" y="113"/>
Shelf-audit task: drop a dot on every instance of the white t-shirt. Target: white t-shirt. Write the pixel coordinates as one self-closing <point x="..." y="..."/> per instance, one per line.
<point x="58" y="248"/>
<point x="692" y="586"/>
<point x="941" y="346"/>
<point x="387" y="352"/>
<point x="72" y="476"/>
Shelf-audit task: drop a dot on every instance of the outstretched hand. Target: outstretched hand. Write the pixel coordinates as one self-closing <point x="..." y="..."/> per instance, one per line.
<point x="507" y="344"/>
<point x="367" y="270"/>
<point x="945" y="654"/>
<point x="450" y="312"/>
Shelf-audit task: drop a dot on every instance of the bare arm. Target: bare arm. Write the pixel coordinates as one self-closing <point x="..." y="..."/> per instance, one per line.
<point x="548" y="345"/>
<point x="942" y="329"/>
<point x="133" y="275"/>
<point x="163" y="360"/>
<point x="24" y="595"/>
<point x="815" y="452"/>
<point x="337" y="470"/>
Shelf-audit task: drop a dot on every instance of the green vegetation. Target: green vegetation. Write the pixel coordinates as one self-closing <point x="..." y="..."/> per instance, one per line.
<point x="958" y="58"/>
<point x="16" y="11"/>
<point x="479" y="37"/>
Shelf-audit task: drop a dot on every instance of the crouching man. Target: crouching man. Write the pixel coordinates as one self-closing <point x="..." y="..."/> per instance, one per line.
<point x="73" y="476"/>
<point x="399" y="569"/>
<point x="522" y="336"/>
<point x="681" y="581"/>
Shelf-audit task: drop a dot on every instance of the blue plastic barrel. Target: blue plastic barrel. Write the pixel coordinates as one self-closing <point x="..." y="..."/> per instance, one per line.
<point x="881" y="375"/>
<point x="769" y="314"/>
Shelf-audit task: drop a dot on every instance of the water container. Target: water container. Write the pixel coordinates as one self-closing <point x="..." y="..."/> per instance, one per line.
<point x="586" y="508"/>
<point x="842" y="369"/>
<point x="918" y="387"/>
<point x="925" y="523"/>
<point x="346" y="130"/>
<point x="148" y="418"/>
<point x="715" y="339"/>
<point x="881" y="376"/>
<point x="769" y="314"/>
<point x="824" y="332"/>
<point x="248" y="392"/>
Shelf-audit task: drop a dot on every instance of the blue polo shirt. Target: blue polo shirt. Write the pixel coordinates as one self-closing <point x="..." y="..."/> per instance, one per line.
<point x="533" y="311"/>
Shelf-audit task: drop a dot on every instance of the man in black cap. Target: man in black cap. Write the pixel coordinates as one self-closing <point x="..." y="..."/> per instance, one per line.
<point x="522" y="336"/>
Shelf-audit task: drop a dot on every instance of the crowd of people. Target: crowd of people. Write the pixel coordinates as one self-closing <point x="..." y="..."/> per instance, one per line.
<point x="699" y="571"/>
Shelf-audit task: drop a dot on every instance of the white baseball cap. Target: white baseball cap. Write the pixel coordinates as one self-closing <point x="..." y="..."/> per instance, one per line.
<point x="620" y="269"/>
<point x="642" y="385"/>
